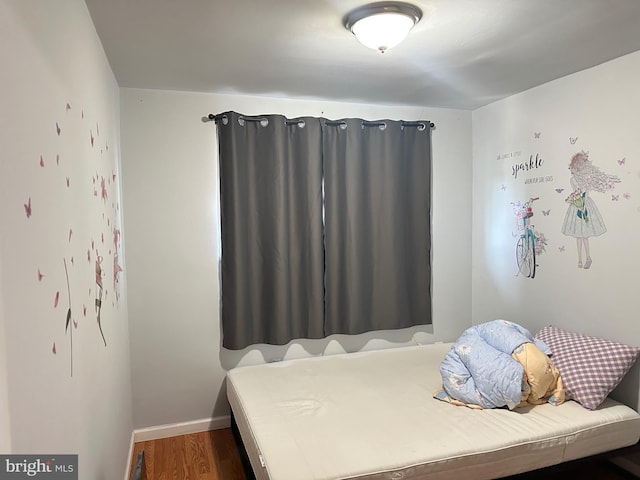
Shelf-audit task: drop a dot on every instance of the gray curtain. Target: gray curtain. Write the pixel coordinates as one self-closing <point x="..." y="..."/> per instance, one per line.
<point x="377" y="225"/>
<point x="272" y="237"/>
<point x="325" y="227"/>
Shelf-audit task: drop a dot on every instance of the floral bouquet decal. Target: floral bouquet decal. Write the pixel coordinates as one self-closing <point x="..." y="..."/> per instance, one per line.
<point x="577" y="200"/>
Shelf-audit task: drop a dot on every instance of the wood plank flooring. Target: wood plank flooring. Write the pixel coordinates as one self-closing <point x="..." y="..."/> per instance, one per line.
<point x="215" y="456"/>
<point x="199" y="456"/>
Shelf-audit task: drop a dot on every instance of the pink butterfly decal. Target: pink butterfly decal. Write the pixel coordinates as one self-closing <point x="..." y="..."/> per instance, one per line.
<point x="41" y="161"/>
<point x="67" y="182"/>
<point x="615" y="198"/>
<point x="27" y="208"/>
<point x="622" y="162"/>
<point x="53" y="349"/>
<point x="75" y="324"/>
<point x="68" y="107"/>
<point x="116" y="237"/>
<point x="58" y="129"/>
<point x="104" y="189"/>
<point x="92" y="139"/>
<point x="40" y="275"/>
<point x="56" y="299"/>
<point x="626" y="196"/>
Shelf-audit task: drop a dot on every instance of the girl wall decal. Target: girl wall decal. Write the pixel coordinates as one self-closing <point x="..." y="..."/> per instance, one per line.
<point x="583" y="219"/>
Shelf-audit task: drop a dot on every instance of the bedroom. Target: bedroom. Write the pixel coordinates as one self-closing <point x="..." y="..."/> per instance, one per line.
<point x="162" y="334"/>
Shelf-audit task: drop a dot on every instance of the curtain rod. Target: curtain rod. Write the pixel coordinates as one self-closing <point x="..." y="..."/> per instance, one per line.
<point x="212" y="118"/>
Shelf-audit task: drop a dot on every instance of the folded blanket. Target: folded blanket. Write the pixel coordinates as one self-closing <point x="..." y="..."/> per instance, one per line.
<point x="498" y="364"/>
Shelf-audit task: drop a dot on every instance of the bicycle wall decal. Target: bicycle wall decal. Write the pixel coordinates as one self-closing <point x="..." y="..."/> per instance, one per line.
<point x="530" y="243"/>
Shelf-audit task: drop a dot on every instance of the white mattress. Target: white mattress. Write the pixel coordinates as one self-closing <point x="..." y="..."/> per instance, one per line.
<point x="371" y="415"/>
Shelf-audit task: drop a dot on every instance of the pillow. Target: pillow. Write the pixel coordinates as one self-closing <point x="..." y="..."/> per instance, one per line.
<point x="590" y="367"/>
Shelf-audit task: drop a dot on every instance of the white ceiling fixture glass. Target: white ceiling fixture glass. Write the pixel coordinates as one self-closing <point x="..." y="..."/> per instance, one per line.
<point x="382" y="25"/>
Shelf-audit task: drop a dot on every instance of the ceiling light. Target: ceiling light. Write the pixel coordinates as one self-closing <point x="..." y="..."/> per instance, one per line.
<point x="382" y="25"/>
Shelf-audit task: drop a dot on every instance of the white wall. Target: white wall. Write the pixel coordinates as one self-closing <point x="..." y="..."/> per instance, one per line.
<point x="5" y="416"/>
<point x="60" y="137"/>
<point x="596" y="111"/>
<point x="171" y="213"/>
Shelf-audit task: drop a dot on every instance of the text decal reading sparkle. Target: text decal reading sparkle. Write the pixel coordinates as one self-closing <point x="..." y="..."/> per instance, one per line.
<point x="532" y="164"/>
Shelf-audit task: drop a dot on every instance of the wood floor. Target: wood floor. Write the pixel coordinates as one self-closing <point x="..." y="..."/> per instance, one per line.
<point x="215" y="456"/>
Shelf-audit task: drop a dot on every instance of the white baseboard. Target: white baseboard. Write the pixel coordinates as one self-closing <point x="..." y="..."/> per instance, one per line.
<point x="129" y="457"/>
<point x="182" y="428"/>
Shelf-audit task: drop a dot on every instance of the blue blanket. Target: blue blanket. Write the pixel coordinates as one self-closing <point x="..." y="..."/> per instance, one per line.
<point x="479" y="369"/>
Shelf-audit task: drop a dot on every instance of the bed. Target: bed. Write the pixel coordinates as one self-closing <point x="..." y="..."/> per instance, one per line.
<point x="372" y="416"/>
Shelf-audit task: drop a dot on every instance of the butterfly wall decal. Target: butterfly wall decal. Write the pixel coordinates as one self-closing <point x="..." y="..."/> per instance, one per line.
<point x="503" y="187"/>
<point x="626" y="196"/>
<point x="27" y="208"/>
<point x="536" y="134"/>
<point x="615" y="198"/>
<point x="622" y="161"/>
<point x="561" y="248"/>
<point x="559" y="190"/>
<point x="573" y="140"/>
<point x="546" y="212"/>
<point x="40" y="275"/>
<point x="58" y="129"/>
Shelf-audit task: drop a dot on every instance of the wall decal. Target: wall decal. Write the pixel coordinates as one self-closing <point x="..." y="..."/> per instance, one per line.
<point x="68" y="318"/>
<point x="559" y="190"/>
<point x="57" y="204"/>
<point x="573" y="140"/>
<point x="626" y="196"/>
<point x="531" y="243"/>
<point x="583" y="219"/>
<point x="27" y="208"/>
<point x="98" y="302"/>
<point x="536" y="135"/>
<point x="622" y="162"/>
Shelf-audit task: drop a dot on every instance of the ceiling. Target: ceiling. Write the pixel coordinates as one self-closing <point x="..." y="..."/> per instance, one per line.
<point x="462" y="54"/>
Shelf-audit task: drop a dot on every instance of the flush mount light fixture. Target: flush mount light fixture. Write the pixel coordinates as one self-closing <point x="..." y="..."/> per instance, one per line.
<point x="382" y="25"/>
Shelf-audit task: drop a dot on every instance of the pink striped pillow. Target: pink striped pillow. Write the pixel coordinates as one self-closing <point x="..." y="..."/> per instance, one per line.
<point x="590" y="366"/>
